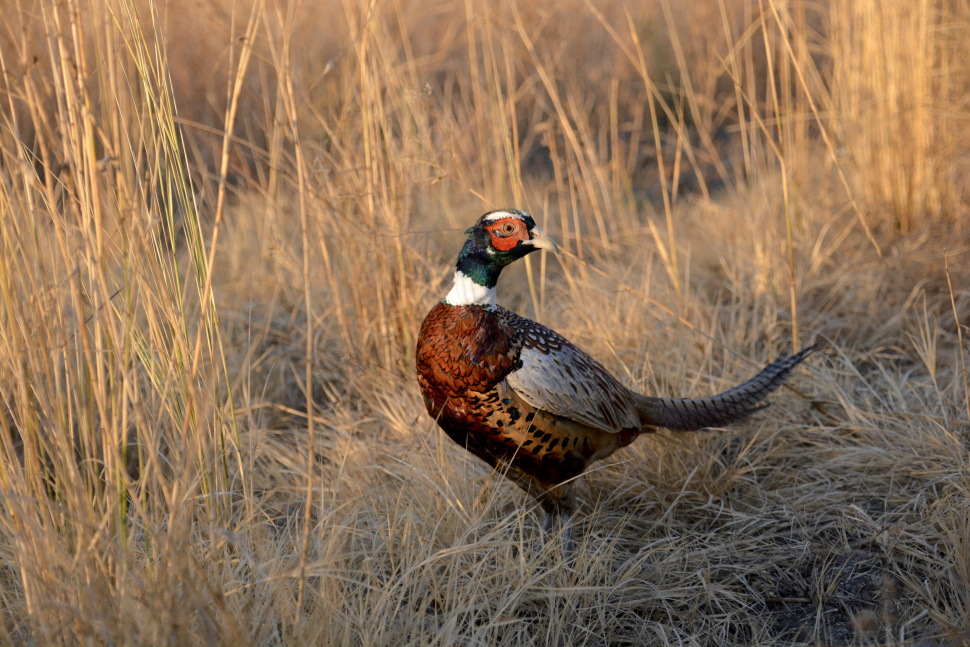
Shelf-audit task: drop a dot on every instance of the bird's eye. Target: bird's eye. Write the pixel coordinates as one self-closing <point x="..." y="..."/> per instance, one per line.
<point x="508" y="228"/>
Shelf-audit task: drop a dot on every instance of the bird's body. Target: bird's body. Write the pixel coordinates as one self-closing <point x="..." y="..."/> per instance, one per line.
<point x="523" y="398"/>
<point x="468" y="360"/>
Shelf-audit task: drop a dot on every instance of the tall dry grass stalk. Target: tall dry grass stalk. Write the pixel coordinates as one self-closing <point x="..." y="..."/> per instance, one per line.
<point x="898" y="89"/>
<point x="222" y="223"/>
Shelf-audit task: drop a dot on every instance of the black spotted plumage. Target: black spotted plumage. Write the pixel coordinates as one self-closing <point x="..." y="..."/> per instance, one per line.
<point x="523" y="398"/>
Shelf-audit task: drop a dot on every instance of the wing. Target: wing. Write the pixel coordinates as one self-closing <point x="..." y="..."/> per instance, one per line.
<point x="559" y="378"/>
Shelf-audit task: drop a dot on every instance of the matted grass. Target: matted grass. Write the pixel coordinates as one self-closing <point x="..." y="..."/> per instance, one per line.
<point x="221" y="225"/>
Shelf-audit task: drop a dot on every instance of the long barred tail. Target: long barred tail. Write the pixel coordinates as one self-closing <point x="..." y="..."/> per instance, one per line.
<point x="723" y="408"/>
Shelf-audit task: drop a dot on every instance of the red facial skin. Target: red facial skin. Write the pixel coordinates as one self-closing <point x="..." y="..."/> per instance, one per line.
<point x="512" y="232"/>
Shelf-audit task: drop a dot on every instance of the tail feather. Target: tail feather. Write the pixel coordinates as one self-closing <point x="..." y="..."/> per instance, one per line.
<point x="723" y="408"/>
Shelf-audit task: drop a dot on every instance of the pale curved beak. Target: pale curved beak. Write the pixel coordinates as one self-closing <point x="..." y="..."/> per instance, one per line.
<point x="540" y="241"/>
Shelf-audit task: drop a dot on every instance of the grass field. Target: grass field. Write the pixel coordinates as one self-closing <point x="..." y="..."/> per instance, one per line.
<point x="222" y="223"/>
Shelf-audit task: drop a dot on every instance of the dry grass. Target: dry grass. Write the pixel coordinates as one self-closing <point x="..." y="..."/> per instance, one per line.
<point x="222" y="224"/>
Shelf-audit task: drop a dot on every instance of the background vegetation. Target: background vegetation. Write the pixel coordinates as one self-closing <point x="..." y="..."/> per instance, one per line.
<point x="221" y="224"/>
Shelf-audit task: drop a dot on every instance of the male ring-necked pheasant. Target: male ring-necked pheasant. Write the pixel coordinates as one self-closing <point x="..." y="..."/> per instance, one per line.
<point x="524" y="399"/>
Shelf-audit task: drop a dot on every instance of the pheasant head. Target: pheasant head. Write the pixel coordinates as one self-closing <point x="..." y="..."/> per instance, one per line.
<point x="497" y="239"/>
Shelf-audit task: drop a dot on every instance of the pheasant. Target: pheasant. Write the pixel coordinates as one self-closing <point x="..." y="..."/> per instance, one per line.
<point x="527" y="401"/>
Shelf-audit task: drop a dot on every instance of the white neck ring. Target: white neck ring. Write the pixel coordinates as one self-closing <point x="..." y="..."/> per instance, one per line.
<point x="466" y="292"/>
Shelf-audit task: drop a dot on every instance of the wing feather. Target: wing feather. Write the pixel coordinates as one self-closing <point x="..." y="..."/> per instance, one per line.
<point x="557" y="377"/>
